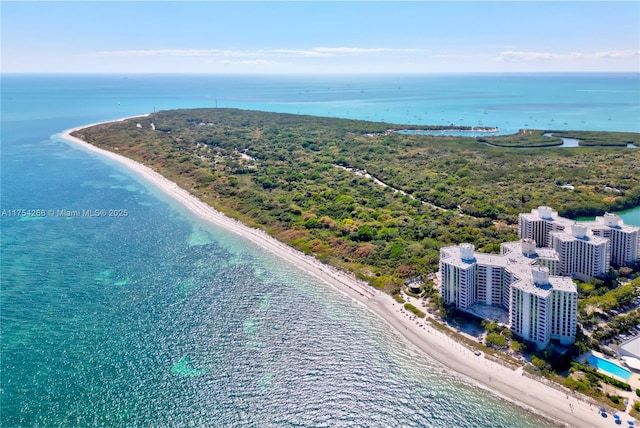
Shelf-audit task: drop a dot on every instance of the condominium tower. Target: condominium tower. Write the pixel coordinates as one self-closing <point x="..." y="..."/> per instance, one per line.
<point x="540" y="306"/>
<point x="539" y="223"/>
<point x="582" y="255"/>
<point x="531" y="279"/>
<point x="624" y="241"/>
<point x="586" y="249"/>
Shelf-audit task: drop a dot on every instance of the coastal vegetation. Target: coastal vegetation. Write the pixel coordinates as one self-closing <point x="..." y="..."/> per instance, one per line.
<point x="417" y="312"/>
<point x="593" y="138"/>
<point x="583" y="379"/>
<point x="378" y="204"/>
<point x="635" y="410"/>
<point x="523" y="139"/>
<point x="605" y="300"/>
<point x="611" y="312"/>
<point x="593" y="377"/>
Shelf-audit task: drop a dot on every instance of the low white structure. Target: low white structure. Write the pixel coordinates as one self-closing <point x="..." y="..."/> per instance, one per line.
<point x="632" y="363"/>
<point x="630" y="348"/>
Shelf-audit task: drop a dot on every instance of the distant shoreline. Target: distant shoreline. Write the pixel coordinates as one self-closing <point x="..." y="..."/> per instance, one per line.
<point x="449" y="129"/>
<point x="435" y="130"/>
<point x="546" y="401"/>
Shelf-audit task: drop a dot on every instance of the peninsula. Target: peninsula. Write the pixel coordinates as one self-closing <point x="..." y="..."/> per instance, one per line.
<point x="367" y="211"/>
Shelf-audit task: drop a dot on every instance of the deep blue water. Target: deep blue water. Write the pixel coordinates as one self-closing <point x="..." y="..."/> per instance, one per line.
<point x="158" y="319"/>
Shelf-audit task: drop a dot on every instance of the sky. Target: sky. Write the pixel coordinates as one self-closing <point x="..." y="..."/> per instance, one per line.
<point x="319" y="37"/>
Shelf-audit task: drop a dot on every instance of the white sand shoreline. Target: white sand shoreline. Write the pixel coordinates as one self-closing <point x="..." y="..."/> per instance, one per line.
<point x="534" y="396"/>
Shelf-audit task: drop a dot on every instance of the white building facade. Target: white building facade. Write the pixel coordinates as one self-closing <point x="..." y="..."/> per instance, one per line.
<point x="540" y="307"/>
<point x="458" y="278"/>
<point x="531" y="279"/>
<point x="580" y="244"/>
<point x="539" y="223"/>
<point x="624" y="240"/>
<point x="582" y="254"/>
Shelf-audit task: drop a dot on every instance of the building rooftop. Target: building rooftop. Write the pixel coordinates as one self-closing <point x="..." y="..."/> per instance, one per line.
<point x="612" y="221"/>
<point x="521" y="263"/>
<point x="546" y="213"/>
<point x="580" y="231"/>
<point x="631" y="348"/>
<point x="528" y="251"/>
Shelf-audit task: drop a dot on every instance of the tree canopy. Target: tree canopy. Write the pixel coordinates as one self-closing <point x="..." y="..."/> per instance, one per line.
<point x="378" y="203"/>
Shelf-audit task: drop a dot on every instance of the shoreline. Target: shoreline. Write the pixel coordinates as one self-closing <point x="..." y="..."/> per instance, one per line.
<point x="480" y="129"/>
<point x="559" y="407"/>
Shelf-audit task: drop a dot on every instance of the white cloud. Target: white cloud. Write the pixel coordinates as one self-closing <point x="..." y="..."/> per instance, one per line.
<point x="516" y="56"/>
<point x="245" y="62"/>
<point x="176" y="52"/>
<point x="314" y="59"/>
<point x="326" y="52"/>
<point x="358" y="51"/>
<point x="524" y="56"/>
<point x="617" y="54"/>
<point x="316" y="52"/>
<point x="347" y="58"/>
<point x="301" y="52"/>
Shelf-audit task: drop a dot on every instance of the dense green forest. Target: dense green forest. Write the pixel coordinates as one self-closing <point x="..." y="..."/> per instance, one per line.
<point x="374" y="202"/>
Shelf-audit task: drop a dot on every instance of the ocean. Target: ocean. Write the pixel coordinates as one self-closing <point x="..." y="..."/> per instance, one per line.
<point x="156" y="318"/>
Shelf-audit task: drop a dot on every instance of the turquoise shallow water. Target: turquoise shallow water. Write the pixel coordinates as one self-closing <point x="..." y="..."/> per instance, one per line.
<point x="631" y="216"/>
<point x="158" y="319"/>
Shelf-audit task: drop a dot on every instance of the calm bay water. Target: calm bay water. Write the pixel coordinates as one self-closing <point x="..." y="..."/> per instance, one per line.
<point x="158" y="319"/>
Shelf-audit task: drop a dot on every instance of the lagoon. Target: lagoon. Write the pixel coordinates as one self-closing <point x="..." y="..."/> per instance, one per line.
<point x="451" y="133"/>
<point x="631" y="216"/>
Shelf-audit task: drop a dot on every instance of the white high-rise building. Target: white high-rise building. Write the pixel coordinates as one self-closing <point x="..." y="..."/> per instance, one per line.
<point x="458" y="276"/>
<point x="530" y="279"/>
<point x="544" y="307"/>
<point x="624" y="240"/>
<point x="582" y="254"/>
<point x="539" y="223"/>
<point x="540" y="307"/>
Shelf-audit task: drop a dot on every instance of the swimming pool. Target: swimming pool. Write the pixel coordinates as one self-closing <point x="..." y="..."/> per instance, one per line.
<point x="609" y="367"/>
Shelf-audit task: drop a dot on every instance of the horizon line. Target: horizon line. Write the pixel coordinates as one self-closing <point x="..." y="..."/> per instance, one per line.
<point x="360" y="73"/>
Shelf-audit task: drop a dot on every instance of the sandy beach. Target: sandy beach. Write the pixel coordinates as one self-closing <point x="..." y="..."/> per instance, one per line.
<point x="561" y="407"/>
